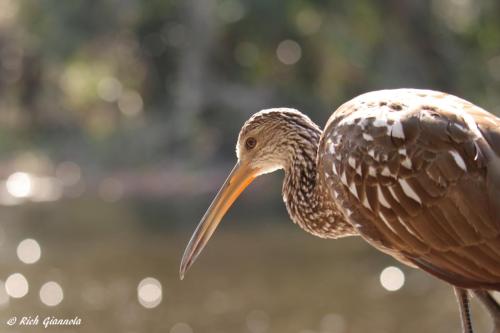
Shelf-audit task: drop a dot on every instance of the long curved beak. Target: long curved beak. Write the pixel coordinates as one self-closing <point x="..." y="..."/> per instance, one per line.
<point x="239" y="178"/>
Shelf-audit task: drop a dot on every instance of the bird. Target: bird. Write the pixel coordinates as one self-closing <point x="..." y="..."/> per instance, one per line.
<point x="414" y="172"/>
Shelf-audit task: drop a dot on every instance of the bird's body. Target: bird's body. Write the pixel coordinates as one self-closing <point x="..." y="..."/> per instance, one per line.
<point x="416" y="173"/>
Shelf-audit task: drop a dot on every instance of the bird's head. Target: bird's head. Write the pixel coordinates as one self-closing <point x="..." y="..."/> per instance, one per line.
<point x="267" y="142"/>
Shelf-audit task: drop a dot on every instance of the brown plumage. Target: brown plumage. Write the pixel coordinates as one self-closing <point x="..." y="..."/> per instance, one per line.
<point x="416" y="173"/>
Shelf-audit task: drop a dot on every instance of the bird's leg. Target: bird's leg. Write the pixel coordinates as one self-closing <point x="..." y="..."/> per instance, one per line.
<point x="491" y="306"/>
<point x="463" y="303"/>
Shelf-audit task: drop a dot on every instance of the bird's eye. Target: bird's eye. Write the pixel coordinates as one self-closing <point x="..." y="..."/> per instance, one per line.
<point x="250" y="143"/>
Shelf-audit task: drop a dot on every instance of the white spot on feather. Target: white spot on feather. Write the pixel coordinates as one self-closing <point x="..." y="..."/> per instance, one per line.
<point x="380" y="122"/>
<point x="371" y="152"/>
<point x="343" y="179"/>
<point x="372" y="171"/>
<point x="367" y="137"/>
<point x="366" y="203"/>
<point x="348" y="121"/>
<point x="353" y="190"/>
<point x="471" y="123"/>
<point x="391" y="189"/>
<point x="397" y="130"/>
<point x="352" y="162"/>
<point x="331" y="148"/>
<point x="386" y="222"/>
<point x="381" y="198"/>
<point x="358" y="170"/>
<point x="406" y="163"/>
<point x="386" y="172"/>
<point x="402" y="151"/>
<point x="362" y="124"/>
<point x="334" y="169"/>
<point x="408" y="190"/>
<point x="458" y="159"/>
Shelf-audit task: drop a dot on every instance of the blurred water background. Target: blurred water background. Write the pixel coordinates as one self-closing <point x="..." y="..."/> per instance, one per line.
<point x="118" y="121"/>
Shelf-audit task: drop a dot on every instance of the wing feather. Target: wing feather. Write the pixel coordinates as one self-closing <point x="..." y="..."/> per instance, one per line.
<point x="426" y="169"/>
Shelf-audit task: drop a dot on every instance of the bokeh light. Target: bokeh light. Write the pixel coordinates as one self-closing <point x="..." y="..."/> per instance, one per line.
<point x="149" y="292"/>
<point x="130" y="103"/>
<point x="16" y="285"/>
<point x="23" y="186"/>
<point x="29" y="251"/>
<point x="109" y="89"/>
<point x="181" y="328"/>
<point x="288" y="52"/>
<point x="19" y="185"/>
<point x="51" y="293"/>
<point x="46" y="189"/>
<point x="392" y="278"/>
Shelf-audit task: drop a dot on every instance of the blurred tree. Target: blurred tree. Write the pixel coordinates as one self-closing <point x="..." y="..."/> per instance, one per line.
<point x="172" y="80"/>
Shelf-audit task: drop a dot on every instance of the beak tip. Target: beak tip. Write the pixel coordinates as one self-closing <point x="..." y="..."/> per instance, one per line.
<point x="181" y="273"/>
<point x="183" y="269"/>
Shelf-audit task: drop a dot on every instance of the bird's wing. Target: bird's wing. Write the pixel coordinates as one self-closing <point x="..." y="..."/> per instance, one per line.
<point x="417" y="173"/>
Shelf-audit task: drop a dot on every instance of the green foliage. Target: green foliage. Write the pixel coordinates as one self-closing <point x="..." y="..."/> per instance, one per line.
<point x="172" y="76"/>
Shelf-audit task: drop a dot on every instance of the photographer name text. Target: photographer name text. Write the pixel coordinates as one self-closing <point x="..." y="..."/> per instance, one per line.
<point x="46" y="322"/>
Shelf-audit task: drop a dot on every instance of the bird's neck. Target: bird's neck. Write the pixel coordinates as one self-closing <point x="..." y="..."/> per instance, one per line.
<point x="307" y="199"/>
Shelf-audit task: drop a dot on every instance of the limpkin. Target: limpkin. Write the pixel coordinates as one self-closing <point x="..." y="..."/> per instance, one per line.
<point x="416" y="173"/>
